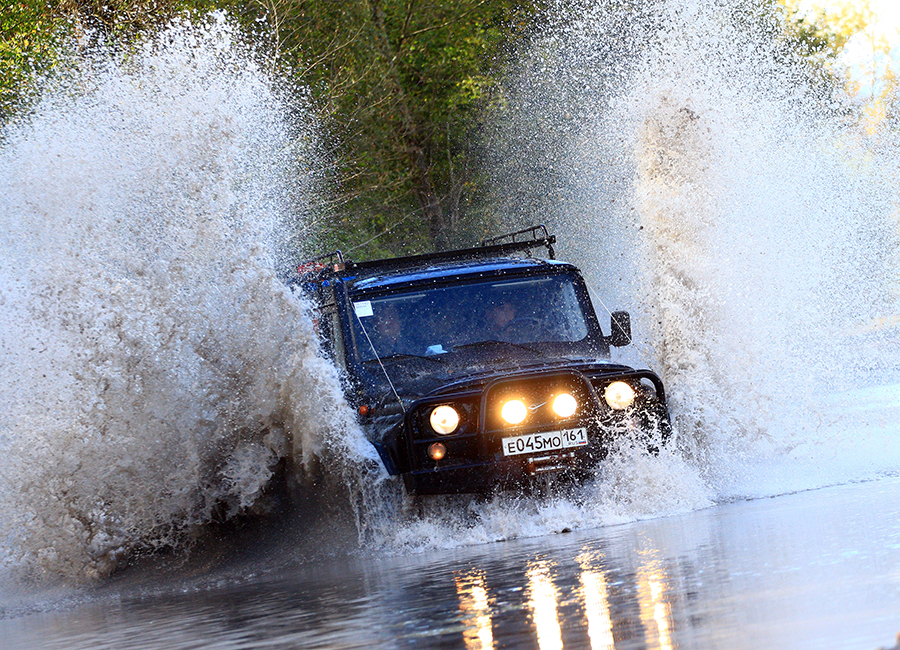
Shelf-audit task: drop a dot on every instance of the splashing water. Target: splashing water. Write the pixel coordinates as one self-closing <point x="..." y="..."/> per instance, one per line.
<point x="715" y="190"/>
<point x="154" y="369"/>
<point x="766" y="248"/>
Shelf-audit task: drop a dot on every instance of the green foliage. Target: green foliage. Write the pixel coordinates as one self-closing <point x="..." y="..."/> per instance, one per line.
<point x="401" y="88"/>
<point x="822" y="34"/>
<point x="27" y="36"/>
<point x="400" y="85"/>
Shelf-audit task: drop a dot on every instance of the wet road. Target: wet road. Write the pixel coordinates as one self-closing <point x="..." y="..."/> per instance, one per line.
<point x="815" y="569"/>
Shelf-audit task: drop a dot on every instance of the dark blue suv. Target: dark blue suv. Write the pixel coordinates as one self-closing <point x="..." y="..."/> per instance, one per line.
<point x="482" y="369"/>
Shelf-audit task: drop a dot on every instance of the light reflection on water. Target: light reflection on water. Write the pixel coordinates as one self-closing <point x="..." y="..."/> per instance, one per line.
<point x="590" y="599"/>
<point x="474" y="603"/>
<point x="544" y="606"/>
<point x="596" y="608"/>
<point x="655" y="613"/>
<point x="743" y="576"/>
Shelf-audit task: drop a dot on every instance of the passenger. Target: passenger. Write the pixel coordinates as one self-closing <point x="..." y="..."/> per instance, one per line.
<point x="388" y="328"/>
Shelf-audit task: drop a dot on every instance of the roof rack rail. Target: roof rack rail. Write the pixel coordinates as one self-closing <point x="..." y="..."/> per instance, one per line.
<point x="314" y="265"/>
<point x="532" y="238"/>
<point x="514" y="242"/>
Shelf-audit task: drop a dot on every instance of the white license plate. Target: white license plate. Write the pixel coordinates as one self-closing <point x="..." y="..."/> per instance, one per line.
<point x="548" y="441"/>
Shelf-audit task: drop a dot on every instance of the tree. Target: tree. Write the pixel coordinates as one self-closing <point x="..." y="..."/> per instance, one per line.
<point x="401" y="84"/>
<point x="823" y="33"/>
<point x="27" y="36"/>
<point x="398" y="84"/>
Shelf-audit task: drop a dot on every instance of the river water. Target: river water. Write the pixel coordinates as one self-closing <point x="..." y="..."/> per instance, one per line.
<point x="156" y="374"/>
<point x="814" y="569"/>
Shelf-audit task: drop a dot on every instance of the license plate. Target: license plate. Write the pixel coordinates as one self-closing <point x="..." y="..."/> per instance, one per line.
<point x="548" y="441"/>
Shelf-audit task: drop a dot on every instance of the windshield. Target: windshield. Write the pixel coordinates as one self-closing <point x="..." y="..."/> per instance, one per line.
<point x="432" y="321"/>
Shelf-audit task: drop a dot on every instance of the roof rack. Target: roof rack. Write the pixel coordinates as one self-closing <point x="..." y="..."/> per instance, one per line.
<point x="532" y="238"/>
<point x="514" y="242"/>
<point x="316" y="265"/>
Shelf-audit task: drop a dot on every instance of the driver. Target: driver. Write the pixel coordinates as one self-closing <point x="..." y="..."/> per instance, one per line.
<point x="499" y="316"/>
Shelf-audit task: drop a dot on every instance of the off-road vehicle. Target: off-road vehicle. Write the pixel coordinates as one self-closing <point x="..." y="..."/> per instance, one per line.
<point x="481" y="369"/>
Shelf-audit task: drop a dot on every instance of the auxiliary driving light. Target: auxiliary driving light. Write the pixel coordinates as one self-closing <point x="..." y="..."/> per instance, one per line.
<point x="619" y="395"/>
<point x="444" y="419"/>
<point x="564" y="405"/>
<point x="514" y="411"/>
<point x="437" y="450"/>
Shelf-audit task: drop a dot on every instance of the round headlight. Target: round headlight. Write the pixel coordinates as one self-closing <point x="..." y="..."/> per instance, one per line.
<point x="444" y="419"/>
<point x="514" y="411"/>
<point x="619" y="395"/>
<point x="564" y="405"/>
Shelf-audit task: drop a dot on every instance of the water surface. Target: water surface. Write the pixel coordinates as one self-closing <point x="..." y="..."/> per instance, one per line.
<point x="814" y="569"/>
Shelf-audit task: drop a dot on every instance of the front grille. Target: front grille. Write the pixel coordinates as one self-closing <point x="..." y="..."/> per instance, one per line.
<point x="537" y="392"/>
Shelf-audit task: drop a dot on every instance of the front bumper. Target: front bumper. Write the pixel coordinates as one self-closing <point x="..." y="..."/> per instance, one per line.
<point x="474" y="461"/>
<point x="518" y="473"/>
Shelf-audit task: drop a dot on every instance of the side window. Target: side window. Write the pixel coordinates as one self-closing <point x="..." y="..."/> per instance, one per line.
<point x="569" y="317"/>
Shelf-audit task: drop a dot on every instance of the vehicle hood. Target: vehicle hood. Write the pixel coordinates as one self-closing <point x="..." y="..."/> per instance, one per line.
<point x="416" y="377"/>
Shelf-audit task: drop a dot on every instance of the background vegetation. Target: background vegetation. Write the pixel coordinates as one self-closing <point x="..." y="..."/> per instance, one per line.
<point x="402" y="87"/>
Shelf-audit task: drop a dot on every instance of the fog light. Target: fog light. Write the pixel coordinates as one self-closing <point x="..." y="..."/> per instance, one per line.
<point x="514" y="411"/>
<point x="437" y="450"/>
<point x="619" y="395"/>
<point x="564" y="405"/>
<point x="444" y="419"/>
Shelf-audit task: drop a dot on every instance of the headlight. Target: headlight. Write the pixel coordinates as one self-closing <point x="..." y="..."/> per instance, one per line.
<point x="564" y="405"/>
<point x="514" y="411"/>
<point x="437" y="450"/>
<point x="444" y="419"/>
<point x="619" y="395"/>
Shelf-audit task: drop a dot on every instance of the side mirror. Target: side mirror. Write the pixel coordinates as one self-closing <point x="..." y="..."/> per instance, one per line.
<point x="619" y="329"/>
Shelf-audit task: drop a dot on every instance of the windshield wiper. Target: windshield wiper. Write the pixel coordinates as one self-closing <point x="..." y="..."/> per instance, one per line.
<point x="397" y="356"/>
<point x="489" y="342"/>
